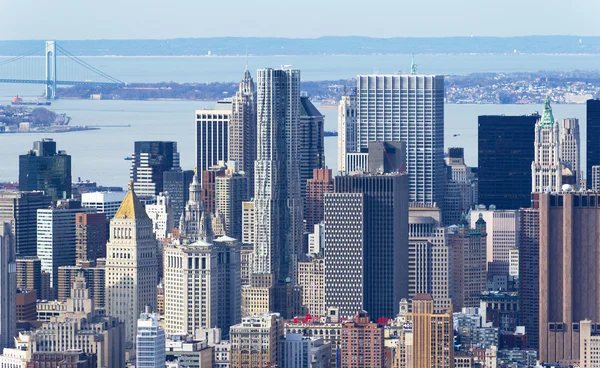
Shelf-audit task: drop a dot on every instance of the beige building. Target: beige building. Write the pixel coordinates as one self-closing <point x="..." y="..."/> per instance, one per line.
<point x="80" y="327"/>
<point x="589" y="344"/>
<point x="248" y="225"/>
<point x="255" y="341"/>
<point x="502" y="227"/>
<point x="258" y="297"/>
<point x="432" y="334"/>
<point x="311" y="277"/>
<point x="231" y="190"/>
<point x="131" y="265"/>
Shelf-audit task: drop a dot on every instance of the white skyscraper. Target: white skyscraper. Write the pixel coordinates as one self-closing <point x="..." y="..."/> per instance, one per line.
<point x="546" y="169"/>
<point x="347" y="139"/>
<point x="131" y="265"/>
<point x="150" y="341"/>
<point x="8" y="286"/>
<point x="502" y="227"/>
<point x="278" y="205"/>
<point x="408" y="108"/>
<point x="212" y="136"/>
<point x="161" y="214"/>
<point x="569" y="147"/>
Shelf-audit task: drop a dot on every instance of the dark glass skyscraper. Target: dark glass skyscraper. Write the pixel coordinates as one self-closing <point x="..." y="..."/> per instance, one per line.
<point x="593" y="138"/>
<point x="149" y="162"/>
<point x="43" y="168"/>
<point x="177" y="182"/>
<point x="506" y="151"/>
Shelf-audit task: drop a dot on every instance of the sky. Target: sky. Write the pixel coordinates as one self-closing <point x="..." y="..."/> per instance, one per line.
<point x="150" y="19"/>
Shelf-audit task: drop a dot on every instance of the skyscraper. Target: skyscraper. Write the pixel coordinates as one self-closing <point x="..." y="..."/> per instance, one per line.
<point x="242" y="129"/>
<point x="593" y="137"/>
<point x="212" y="136"/>
<point x="131" y="265"/>
<point x="529" y="273"/>
<point x="410" y="108"/>
<point x="149" y="162"/>
<point x="150" y="341"/>
<point x="43" y="168"/>
<point x="278" y="204"/>
<point x="8" y="287"/>
<point x="569" y="147"/>
<point x="20" y="208"/>
<point x="347" y="129"/>
<point x="195" y="222"/>
<point x="311" y="151"/>
<point x="231" y="190"/>
<point x="105" y="202"/>
<point x="506" y="151"/>
<point x="361" y="343"/>
<point x="161" y="214"/>
<point x="311" y="277"/>
<point x="29" y="275"/>
<point x="461" y="190"/>
<point x="177" y="182"/>
<point x="546" y="168"/>
<point x="90" y="236"/>
<point x="569" y="270"/>
<point x="321" y="183"/>
<point x="384" y="238"/>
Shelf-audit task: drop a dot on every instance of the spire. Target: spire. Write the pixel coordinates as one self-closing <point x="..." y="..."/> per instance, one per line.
<point x="195" y="189"/>
<point x="131" y="207"/>
<point x="413" y="66"/>
<point x="547" y="119"/>
<point x="206" y="231"/>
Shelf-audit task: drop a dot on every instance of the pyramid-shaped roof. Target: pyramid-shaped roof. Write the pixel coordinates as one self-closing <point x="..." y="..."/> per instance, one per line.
<point x="131" y="207"/>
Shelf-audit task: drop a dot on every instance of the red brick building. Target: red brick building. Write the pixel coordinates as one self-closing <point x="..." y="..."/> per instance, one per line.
<point x="321" y="183"/>
<point x="90" y="235"/>
<point x="361" y="343"/>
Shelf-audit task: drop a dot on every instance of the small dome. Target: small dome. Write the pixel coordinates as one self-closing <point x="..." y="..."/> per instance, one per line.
<point x="567" y="188"/>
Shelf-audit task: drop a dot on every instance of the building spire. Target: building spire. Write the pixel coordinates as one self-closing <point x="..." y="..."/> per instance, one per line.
<point x="547" y="119"/>
<point x="413" y="66"/>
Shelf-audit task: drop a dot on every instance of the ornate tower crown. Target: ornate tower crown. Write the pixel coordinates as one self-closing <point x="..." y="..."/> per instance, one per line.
<point x="547" y="119"/>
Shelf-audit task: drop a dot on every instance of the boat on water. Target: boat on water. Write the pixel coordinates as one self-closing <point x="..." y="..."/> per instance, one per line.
<point x="127" y="159"/>
<point x="19" y="101"/>
<point x="330" y="134"/>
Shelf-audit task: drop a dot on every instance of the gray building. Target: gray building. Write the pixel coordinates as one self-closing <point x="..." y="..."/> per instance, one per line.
<point x="408" y="108"/>
<point x="176" y="183"/>
<point x="8" y="287"/>
<point x="150" y="342"/>
<point x="149" y="162"/>
<point x="347" y="139"/>
<point x="386" y="157"/>
<point x="212" y="136"/>
<point x="298" y="351"/>
<point x="312" y="141"/>
<point x="20" y="208"/>
<point x="385" y="239"/>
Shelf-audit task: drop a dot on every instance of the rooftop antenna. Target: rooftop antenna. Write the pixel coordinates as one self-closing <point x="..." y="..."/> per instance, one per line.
<point x="413" y="66"/>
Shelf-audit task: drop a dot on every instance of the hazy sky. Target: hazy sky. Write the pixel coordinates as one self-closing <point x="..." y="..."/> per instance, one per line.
<point x="113" y="19"/>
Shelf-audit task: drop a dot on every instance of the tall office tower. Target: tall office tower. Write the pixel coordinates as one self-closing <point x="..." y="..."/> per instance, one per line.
<point x="8" y="287"/>
<point x="361" y="344"/>
<point x="248" y="223"/>
<point x="384" y="235"/>
<point x="311" y="277"/>
<point x="195" y="223"/>
<point x="95" y="279"/>
<point x="347" y="129"/>
<point x="569" y="270"/>
<point x="177" y="182"/>
<point x="242" y="129"/>
<point x="506" y="151"/>
<point x="546" y="168"/>
<point x="468" y="272"/>
<point x="311" y="133"/>
<point x="321" y="183"/>
<point x="460" y="191"/>
<point x="502" y="228"/>
<point x="212" y="135"/>
<point x="409" y="108"/>
<point x="104" y="202"/>
<point x="595" y="178"/>
<point x="80" y="326"/>
<point x="150" y="341"/>
<point x="208" y="180"/>
<point x="56" y="238"/>
<point x="593" y="137"/>
<point x="131" y="265"/>
<point x="529" y="271"/>
<point x="386" y="157"/>
<point x="429" y="256"/>
<point x="44" y="168"/>
<point x="569" y="147"/>
<point x="433" y="334"/>
<point x="344" y="252"/>
<point x="255" y="341"/>
<point x="149" y="161"/>
<point x="212" y="273"/>
<point x="231" y="190"/>
<point x="90" y="236"/>
<point x="29" y="274"/>
<point x="277" y="200"/>
<point x="161" y="214"/>
<point x="20" y="208"/>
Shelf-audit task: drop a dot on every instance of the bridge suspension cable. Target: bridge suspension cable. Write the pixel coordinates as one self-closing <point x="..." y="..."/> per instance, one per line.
<point x="88" y="66"/>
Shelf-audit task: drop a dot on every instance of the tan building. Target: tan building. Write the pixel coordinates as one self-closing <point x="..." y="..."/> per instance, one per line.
<point x="589" y="344"/>
<point x="246" y="263"/>
<point x="433" y="335"/>
<point x="258" y="297"/>
<point x="255" y="341"/>
<point x="231" y="190"/>
<point x="569" y="270"/>
<point x="80" y="326"/>
<point x="361" y="343"/>
<point x="311" y="277"/>
<point x="248" y="225"/>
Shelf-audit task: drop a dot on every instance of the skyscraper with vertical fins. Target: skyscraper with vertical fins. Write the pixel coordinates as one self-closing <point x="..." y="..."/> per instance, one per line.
<point x="546" y="169"/>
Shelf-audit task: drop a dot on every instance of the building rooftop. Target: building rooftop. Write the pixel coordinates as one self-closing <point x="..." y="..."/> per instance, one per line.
<point x="131" y="207"/>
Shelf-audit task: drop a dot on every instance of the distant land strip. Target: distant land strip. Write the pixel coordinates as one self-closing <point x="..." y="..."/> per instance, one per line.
<point x="348" y="45"/>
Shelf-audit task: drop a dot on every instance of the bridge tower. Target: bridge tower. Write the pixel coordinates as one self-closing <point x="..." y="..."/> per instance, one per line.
<point x="50" y="70"/>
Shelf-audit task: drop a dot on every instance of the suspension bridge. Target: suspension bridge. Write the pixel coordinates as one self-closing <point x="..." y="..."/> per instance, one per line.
<point x="52" y="66"/>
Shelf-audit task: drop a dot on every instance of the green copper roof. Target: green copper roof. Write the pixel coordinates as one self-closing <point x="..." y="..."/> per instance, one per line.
<point x="547" y="119"/>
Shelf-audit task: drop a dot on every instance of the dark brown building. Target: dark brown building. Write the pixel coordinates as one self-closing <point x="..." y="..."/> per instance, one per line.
<point x="94" y="278"/>
<point x="529" y="273"/>
<point x="29" y="274"/>
<point x="26" y="304"/>
<point x="90" y="236"/>
<point x="569" y="270"/>
<point x="67" y="359"/>
<point x="321" y="183"/>
<point x="361" y="344"/>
